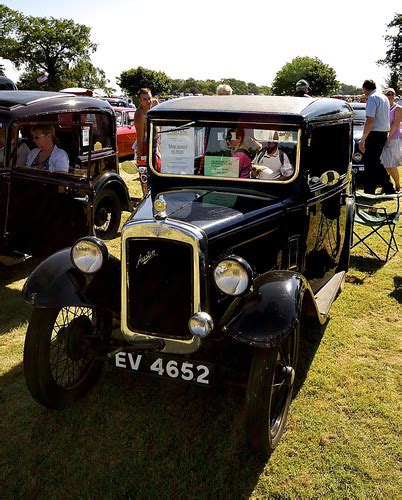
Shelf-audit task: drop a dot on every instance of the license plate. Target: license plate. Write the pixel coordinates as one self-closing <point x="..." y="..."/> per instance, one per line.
<point x="191" y="371"/>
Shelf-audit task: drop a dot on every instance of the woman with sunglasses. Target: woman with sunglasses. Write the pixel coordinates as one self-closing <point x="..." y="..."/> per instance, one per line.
<point x="235" y="141"/>
<point x="47" y="156"/>
<point x="390" y="156"/>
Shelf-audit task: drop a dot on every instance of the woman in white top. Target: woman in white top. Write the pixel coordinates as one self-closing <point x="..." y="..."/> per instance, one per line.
<point x="47" y="156"/>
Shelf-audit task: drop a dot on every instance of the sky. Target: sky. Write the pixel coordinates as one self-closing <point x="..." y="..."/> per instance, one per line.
<point x="249" y="40"/>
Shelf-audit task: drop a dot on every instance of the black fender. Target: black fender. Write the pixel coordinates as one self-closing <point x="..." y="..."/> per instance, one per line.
<point x="57" y="283"/>
<point x="344" y="259"/>
<point x="270" y="311"/>
<point x="113" y="181"/>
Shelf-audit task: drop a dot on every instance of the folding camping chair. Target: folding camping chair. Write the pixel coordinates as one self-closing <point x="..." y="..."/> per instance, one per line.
<point x="376" y="219"/>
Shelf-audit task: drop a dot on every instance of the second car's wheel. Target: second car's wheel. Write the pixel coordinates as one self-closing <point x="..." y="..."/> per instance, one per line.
<point x="59" y="360"/>
<point x="107" y="214"/>
<point x="269" y="393"/>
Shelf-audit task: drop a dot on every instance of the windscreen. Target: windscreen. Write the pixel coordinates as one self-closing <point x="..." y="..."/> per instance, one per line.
<point x="224" y="151"/>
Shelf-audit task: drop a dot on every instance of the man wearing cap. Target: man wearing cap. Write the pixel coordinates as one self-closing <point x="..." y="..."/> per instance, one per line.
<point x="271" y="163"/>
<point x="374" y="137"/>
<point x="302" y="88"/>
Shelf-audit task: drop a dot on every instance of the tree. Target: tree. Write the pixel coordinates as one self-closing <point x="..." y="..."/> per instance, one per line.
<point x="85" y="74"/>
<point x="133" y="80"/>
<point x="392" y="57"/>
<point x="44" y="45"/>
<point x="346" y="89"/>
<point x="320" y="76"/>
<point x="239" y="87"/>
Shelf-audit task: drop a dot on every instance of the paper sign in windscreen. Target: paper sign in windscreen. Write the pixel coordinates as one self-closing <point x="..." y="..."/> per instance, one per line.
<point x="177" y="151"/>
<point x="221" y="166"/>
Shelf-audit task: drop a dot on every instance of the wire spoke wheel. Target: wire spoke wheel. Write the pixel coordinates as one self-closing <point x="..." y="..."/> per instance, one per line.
<point x="59" y="354"/>
<point x="269" y="393"/>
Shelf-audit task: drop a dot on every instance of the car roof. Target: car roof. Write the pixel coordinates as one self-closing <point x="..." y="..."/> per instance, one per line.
<point x="20" y="103"/>
<point x="282" y="109"/>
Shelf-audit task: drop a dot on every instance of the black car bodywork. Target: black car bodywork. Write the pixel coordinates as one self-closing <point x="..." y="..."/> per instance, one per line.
<point x="216" y="270"/>
<point x="42" y="211"/>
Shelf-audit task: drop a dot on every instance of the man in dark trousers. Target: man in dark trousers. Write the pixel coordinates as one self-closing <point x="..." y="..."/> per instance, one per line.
<point x="375" y="133"/>
<point x="302" y="88"/>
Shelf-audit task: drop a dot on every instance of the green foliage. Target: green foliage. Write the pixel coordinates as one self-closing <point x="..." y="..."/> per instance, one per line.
<point x="346" y="89"/>
<point x="320" y="76"/>
<point x="132" y="80"/>
<point x="392" y="57"/>
<point x="85" y="75"/>
<point x="44" y="45"/>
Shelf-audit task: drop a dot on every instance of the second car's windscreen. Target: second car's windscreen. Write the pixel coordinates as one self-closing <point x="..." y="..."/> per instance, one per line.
<point x="227" y="152"/>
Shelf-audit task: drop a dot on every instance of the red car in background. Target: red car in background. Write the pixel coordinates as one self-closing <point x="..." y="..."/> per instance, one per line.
<point x="126" y="133"/>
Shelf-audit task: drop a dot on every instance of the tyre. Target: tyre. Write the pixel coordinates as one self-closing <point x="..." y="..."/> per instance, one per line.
<point x="59" y="361"/>
<point x="107" y="214"/>
<point x="269" y="393"/>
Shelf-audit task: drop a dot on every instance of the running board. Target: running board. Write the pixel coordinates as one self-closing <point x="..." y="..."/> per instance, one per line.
<point x="328" y="293"/>
<point x="14" y="258"/>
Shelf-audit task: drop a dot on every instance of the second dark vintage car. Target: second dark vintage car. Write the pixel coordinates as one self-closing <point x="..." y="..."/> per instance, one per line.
<point x="41" y="209"/>
<point x="245" y="232"/>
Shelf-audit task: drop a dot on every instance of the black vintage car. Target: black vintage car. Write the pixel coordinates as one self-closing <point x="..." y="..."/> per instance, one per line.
<point x="42" y="211"/>
<point x="246" y="230"/>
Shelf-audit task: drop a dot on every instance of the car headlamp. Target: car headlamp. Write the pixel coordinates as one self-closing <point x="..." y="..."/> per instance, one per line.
<point x="88" y="254"/>
<point x="233" y="275"/>
<point x="357" y="157"/>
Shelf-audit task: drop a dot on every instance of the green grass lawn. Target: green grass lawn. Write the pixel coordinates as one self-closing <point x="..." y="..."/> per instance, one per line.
<point x="138" y="437"/>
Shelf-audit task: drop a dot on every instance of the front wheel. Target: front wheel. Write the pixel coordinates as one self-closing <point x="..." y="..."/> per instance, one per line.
<point x="269" y="393"/>
<point x="107" y="214"/>
<point x="59" y="360"/>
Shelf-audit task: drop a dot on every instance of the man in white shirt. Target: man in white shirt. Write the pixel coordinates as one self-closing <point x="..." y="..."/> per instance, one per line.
<point x="374" y="137"/>
<point x="272" y="164"/>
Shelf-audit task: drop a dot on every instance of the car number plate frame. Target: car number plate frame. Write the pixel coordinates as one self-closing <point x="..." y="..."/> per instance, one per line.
<point x="165" y="366"/>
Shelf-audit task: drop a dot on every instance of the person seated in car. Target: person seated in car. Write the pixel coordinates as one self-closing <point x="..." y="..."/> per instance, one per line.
<point x="22" y="150"/>
<point x="235" y="141"/>
<point x="271" y="163"/>
<point x="47" y="156"/>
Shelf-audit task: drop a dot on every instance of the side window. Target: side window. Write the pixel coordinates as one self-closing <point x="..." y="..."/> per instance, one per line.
<point x="329" y="149"/>
<point x="32" y="137"/>
<point x="99" y="126"/>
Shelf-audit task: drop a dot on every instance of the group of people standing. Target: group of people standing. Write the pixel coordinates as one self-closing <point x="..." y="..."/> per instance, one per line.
<point x="379" y="143"/>
<point x="380" y="140"/>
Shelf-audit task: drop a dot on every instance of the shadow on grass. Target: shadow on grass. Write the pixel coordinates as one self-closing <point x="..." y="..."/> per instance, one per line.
<point x="134" y="437"/>
<point x="14" y="310"/>
<point x="131" y="437"/>
<point x="311" y="334"/>
<point x="9" y="274"/>
<point x="397" y="293"/>
<point x="362" y="264"/>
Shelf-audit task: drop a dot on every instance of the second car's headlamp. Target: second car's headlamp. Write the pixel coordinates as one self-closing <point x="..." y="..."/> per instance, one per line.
<point x="357" y="157"/>
<point x="88" y="254"/>
<point x="233" y="275"/>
